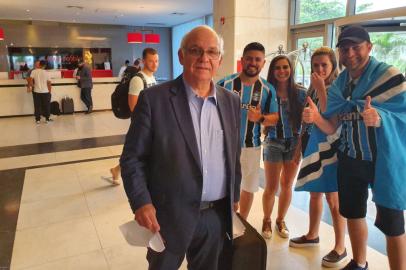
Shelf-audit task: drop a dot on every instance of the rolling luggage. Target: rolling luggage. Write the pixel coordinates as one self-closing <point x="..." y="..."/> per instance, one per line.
<point x="67" y="105"/>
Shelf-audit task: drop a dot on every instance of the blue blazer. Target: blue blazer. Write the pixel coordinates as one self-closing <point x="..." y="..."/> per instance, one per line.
<point x="160" y="161"/>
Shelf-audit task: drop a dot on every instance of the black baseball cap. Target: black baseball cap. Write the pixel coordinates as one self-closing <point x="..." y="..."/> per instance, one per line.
<point x="353" y="33"/>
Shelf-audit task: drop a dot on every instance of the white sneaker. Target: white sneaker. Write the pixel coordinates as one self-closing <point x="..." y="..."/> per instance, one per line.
<point x="281" y="228"/>
<point x="267" y="229"/>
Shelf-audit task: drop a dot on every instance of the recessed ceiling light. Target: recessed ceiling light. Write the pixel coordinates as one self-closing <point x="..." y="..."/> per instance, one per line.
<point x="28" y="10"/>
<point x="75" y="7"/>
<point x="178" y="13"/>
<point x="156" y="24"/>
<point x="90" y="38"/>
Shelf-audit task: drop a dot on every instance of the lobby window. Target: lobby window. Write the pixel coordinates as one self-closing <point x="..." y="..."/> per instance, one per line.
<point x="317" y="10"/>
<point x="390" y="47"/>
<point x="302" y="70"/>
<point x="363" y="6"/>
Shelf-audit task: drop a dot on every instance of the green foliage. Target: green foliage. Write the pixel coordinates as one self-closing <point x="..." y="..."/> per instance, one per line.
<point x="363" y="8"/>
<point x="390" y="47"/>
<point x="316" y="10"/>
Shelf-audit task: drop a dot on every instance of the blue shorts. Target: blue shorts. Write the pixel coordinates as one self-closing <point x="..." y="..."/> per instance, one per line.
<point x="279" y="150"/>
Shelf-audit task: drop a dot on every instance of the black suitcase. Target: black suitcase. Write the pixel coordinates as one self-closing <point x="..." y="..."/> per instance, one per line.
<point x="67" y="105"/>
<point x="248" y="251"/>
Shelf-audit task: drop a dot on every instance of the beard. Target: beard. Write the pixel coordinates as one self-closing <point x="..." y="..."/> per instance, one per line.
<point x="251" y="72"/>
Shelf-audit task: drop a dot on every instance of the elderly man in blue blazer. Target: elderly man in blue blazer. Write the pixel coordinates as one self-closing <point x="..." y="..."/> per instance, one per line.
<point x="180" y="163"/>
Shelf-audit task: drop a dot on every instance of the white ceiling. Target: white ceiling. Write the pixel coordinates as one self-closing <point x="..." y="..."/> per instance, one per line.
<point x="118" y="12"/>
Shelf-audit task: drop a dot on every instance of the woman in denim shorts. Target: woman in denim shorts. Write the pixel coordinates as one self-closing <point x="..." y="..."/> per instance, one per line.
<point x="280" y="144"/>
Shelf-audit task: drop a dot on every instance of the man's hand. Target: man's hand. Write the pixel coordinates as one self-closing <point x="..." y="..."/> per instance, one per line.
<point x="310" y="113"/>
<point x="146" y="217"/>
<point x="254" y="114"/>
<point x="370" y="114"/>
<point x="271" y="119"/>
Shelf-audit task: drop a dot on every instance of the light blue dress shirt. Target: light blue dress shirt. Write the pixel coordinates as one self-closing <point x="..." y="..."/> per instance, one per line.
<point x="210" y="141"/>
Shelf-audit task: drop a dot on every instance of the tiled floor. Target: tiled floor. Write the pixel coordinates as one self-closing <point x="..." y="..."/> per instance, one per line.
<point x="69" y="219"/>
<point x="23" y="130"/>
<point x="68" y="216"/>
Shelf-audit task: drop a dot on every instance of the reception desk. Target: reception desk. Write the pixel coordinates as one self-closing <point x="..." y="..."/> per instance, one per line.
<point x="14" y="99"/>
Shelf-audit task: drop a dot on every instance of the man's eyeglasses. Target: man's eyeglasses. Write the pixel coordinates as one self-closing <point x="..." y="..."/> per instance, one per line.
<point x="212" y="54"/>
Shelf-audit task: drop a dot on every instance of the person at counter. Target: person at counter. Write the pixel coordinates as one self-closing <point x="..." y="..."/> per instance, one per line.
<point x="40" y="85"/>
<point x="123" y="68"/>
<point x="85" y="82"/>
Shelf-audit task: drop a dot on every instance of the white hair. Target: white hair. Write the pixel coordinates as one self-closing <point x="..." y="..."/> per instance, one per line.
<point x="220" y="41"/>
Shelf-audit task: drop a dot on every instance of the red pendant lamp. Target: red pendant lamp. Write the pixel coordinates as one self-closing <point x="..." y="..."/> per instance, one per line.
<point x="152" y="38"/>
<point x="1" y="34"/>
<point x="134" y="37"/>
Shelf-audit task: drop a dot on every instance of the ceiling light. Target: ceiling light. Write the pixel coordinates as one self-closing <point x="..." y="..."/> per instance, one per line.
<point x="1" y="34"/>
<point x="75" y="7"/>
<point x="28" y="10"/>
<point x="178" y="13"/>
<point x="134" y="37"/>
<point x="90" y="38"/>
<point x="152" y="38"/>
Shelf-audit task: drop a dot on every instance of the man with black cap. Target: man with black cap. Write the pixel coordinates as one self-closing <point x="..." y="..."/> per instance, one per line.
<point x="368" y="103"/>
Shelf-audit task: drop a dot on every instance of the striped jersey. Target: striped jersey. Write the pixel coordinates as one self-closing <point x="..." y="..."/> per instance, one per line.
<point x="356" y="140"/>
<point x="262" y="93"/>
<point x="283" y="129"/>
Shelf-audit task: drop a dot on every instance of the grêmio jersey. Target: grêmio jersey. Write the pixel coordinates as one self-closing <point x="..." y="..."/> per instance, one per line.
<point x="260" y="93"/>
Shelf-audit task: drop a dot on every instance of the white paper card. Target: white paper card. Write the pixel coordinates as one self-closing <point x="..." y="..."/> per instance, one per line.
<point x="139" y="236"/>
<point x="238" y="227"/>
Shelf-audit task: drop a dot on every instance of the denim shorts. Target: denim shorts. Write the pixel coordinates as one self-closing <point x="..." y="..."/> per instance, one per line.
<point x="279" y="150"/>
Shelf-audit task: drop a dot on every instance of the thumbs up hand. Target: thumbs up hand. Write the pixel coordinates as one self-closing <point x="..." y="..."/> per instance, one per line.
<point x="254" y="113"/>
<point x="370" y="114"/>
<point x="310" y="113"/>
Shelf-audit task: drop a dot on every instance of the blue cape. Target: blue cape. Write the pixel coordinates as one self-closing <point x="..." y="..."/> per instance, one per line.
<point x="318" y="170"/>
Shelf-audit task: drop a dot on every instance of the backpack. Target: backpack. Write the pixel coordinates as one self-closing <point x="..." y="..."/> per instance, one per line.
<point x="55" y="110"/>
<point x="119" y="98"/>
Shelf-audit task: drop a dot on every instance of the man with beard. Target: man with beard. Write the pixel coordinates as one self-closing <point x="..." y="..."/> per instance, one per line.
<point x="258" y="106"/>
<point x="368" y="102"/>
